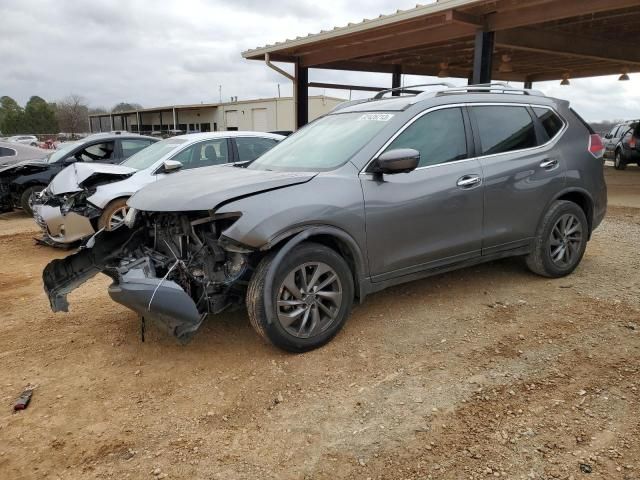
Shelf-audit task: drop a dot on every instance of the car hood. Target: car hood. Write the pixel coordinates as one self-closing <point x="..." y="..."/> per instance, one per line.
<point x="24" y="165"/>
<point x="206" y="188"/>
<point x="75" y="177"/>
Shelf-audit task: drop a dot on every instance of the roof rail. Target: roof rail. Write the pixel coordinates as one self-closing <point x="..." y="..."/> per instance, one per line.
<point x="494" y="87"/>
<point x="407" y="88"/>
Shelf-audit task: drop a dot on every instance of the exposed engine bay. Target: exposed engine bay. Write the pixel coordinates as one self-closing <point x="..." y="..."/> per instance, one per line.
<point x="171" y="268"/>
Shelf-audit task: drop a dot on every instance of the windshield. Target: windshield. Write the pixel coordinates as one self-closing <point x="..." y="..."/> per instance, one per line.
<point x="325" y="144"/>
<point x="150" y="155"/>
<point x="61" y="152"/>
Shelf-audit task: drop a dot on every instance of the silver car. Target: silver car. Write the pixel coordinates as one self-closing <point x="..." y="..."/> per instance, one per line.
<point x="375" y="194"/>
<point x="87" y="197"/>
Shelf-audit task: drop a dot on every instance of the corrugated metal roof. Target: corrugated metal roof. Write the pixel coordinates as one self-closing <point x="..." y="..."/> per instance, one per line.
<point x="366" y="24"/>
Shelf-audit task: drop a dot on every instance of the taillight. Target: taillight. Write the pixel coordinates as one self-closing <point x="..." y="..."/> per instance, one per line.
<point x="596" y="148"/>
<point x="632" y="142"/>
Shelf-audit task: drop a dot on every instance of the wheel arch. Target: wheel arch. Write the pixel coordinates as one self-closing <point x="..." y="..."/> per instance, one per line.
<point x="580" y="197"/>
<point x="327" y="235"/>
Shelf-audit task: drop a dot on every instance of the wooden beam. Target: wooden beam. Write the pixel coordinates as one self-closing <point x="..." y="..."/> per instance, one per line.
<point x="554" y="10"/>
<point x="550" y="41"/>
<point x="590" y="72"/>
<point x="398" y="42"/>
<point x="456" y="16"/>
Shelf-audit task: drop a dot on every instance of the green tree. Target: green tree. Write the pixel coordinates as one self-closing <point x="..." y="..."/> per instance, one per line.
<point x="11" y="116"/>
<point x="39" y="116"/>
<point x="125" y="107"/>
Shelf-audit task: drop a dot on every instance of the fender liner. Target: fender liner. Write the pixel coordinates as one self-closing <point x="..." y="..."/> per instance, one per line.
<point x="301" y="237"/>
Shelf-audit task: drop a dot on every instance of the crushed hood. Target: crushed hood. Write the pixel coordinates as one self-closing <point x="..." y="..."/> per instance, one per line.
<point x="74" y="177"/>
<point x="25" y="165"/>
<point x="206" y="188"/>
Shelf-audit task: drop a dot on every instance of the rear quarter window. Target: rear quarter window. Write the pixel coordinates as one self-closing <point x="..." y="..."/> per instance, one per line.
<point x="550" y="121"/>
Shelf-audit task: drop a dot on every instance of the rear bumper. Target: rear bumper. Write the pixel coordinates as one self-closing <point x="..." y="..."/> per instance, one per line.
<point x="62" y="228"/>
<point x="163" y="302"/>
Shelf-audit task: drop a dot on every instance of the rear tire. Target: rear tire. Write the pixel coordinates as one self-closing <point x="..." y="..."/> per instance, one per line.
<point x="560" y="242"/>
<point x="26" y="200"/>
<point x="113" y="214"/>
<point x="302" y="318"/>
<point x="618" y="162"/>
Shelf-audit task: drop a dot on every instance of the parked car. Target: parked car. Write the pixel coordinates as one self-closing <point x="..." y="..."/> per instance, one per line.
<point x="25" y="140"/>
<point x="12" y="153"/>
<point x="375" y="194"/>
<point x="85" y="198"/>
<point x="622" y="144"/>
<point x="19" y="182"/>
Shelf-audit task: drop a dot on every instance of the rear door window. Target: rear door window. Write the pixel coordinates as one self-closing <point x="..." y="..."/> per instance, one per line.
<point x="250" y="148"/>
<point x="550" y="121"/>
<point x="504" y="128"/>
<point x="131" y="146"/>
<point x="439" y="136"/>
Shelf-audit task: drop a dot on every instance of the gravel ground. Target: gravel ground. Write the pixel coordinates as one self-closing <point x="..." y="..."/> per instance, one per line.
<point x="488" y="372"/>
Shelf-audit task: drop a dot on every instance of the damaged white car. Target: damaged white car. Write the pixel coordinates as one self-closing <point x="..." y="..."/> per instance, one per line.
<point x="86" y="198"/>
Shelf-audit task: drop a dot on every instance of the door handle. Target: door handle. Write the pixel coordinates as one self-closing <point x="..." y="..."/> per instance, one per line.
<point x="549" y="164"/>
<point x="469" y="181"/>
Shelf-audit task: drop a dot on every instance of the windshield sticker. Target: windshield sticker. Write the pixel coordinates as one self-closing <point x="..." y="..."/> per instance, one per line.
<point x="376" y="117"/>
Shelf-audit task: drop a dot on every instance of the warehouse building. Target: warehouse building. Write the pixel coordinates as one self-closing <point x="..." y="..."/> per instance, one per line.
<point x="263" y="115"/>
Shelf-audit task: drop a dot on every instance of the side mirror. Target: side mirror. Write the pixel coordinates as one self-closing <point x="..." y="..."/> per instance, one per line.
<point x="400" y="160"/>
<point x="169" y="166"/>
<point x="70" y="160"/>
<point x="607" y="136"/>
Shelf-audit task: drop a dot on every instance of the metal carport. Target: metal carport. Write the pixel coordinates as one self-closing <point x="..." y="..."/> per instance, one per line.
<point x="481" y="40"/>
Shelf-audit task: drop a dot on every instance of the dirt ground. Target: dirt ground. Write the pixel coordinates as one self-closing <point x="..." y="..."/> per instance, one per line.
<point x="488" y="372"/>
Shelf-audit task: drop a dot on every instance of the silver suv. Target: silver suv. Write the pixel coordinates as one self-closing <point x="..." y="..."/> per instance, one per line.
<point x="376" y="193"/>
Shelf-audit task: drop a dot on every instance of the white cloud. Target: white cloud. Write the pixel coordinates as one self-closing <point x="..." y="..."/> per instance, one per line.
<point x="180" y="52"/>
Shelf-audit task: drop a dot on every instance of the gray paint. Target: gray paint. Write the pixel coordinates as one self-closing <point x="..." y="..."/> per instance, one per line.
<point x="396" y="227"/>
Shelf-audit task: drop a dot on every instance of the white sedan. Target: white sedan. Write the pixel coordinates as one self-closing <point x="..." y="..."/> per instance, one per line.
<point x="87" y="197"/>
<point x="25" y="140"/>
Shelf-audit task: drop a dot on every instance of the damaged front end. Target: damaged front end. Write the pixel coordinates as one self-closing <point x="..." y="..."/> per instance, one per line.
<point x="64" y="209"/>
<point x="65" y="219"/>
<point x="172" y="269"/>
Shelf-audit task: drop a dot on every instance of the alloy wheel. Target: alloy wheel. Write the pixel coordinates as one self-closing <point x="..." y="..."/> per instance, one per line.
<point x="566" y="240"/>
<point x="117" y="217"/>
<point x="309" y="299"/>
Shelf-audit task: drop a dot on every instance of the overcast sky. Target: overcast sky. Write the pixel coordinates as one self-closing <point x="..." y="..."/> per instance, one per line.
<point x="169" y="52"/>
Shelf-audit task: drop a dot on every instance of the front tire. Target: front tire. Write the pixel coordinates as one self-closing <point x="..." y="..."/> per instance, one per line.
<point x="560" y="242"/>
<point x="113" y="214"/>
<point x="26" y="199"/>
<point x="618" y="162"/>
<point x="312" y="295"/>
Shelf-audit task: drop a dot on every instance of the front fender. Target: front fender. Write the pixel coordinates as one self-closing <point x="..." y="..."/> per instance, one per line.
<point x="315" y="231"/>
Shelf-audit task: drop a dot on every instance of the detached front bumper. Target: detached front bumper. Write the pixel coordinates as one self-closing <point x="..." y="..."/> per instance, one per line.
<point x="163" y="302"/>
<point x="62" y="228"/>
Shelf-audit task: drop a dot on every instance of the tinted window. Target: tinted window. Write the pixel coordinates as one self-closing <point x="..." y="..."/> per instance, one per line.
<point x="131" y="146"/>
<point x="250" y="148"/>
<point x="98" y="152"/>
<point x="504" y="129"/>
<point x="551" y="122"/>
<point x="204" y="154"/>
<point x="439" y="137"/>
